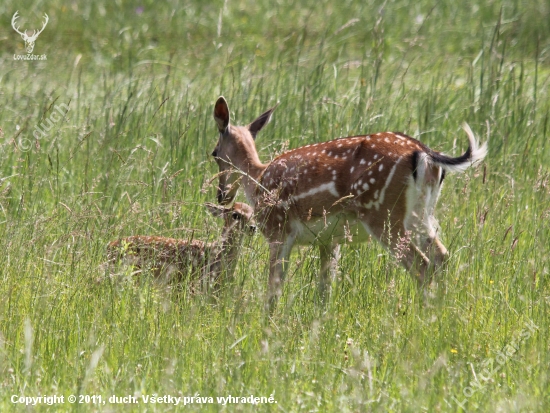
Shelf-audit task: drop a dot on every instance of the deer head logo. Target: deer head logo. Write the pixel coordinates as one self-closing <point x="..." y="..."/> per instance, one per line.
<point x="29" y="40"/>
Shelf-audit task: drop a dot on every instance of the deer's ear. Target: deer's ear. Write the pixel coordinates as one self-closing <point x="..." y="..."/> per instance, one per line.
<point x="221" y="114"/>
<point x="261" y="121"/>
<point x="216" y="210"/>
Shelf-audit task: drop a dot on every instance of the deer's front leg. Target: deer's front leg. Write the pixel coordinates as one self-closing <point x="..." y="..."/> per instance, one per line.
<point x="329" y="256"/>
<point x="279" y="254"/>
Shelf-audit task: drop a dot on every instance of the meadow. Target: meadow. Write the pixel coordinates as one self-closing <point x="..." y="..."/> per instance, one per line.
<point x="128" y="88"/>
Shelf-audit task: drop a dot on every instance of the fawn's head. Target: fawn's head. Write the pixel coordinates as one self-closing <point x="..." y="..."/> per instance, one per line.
<point x="235" y="147"/>
<point x="238" y="218"/>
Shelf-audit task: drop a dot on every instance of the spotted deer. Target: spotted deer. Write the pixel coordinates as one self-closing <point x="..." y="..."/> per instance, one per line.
<point x="384" y="185"/>
<point x="171" y="259"/>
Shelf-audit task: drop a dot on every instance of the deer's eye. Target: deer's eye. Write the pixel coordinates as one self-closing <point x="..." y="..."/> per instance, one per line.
<point x="236" y="216"/>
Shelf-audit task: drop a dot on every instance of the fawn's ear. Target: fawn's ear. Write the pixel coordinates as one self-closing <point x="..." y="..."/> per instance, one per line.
<point x="216" y="210"/>
<point x="221" y="114"/>
<point x="261" y="121"/>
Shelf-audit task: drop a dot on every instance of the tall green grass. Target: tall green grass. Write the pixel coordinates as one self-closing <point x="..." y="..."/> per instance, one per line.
<point x="131" y="156"/>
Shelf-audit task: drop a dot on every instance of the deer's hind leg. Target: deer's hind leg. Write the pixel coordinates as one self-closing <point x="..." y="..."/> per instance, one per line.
<point x="421" y="222"/>
<point x="399" y="241"/>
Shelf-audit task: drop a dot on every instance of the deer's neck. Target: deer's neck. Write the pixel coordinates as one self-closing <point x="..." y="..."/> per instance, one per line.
<point x="225" y="256"/>
<point x="252" y="168"/>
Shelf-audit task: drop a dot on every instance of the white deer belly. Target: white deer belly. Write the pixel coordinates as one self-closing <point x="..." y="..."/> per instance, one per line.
<point x="335" y="228"/>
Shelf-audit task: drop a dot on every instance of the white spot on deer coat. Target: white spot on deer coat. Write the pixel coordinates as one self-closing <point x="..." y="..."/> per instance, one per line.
<point x="387" y="184"/>
<point x="327" y="187"/>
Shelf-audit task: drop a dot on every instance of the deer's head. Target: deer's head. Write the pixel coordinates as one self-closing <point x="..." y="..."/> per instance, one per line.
<point x="235" y="147"/>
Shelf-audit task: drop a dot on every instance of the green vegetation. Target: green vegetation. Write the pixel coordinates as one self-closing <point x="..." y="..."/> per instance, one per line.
<point x="131" y="156"/>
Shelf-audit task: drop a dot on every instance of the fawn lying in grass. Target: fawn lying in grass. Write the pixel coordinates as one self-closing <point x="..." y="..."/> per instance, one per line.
<point x="171" y="260"/>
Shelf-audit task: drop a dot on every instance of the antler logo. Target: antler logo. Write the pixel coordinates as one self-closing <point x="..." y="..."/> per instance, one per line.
<point x="29" y="40"/>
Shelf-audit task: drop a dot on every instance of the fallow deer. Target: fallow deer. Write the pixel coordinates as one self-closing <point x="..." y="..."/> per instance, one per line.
<point x="171" y="259"/>
<point x="384" y="185"/>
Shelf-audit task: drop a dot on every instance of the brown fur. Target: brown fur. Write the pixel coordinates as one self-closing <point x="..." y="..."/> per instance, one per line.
<point x="384" y="185"/>
<point x="171" y="259"/>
